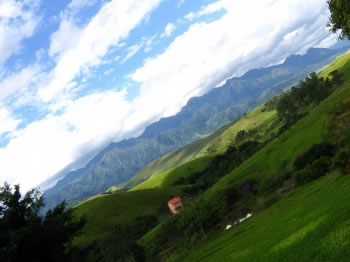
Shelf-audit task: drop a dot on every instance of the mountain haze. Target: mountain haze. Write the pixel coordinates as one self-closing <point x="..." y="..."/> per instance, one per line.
<point x="119" y="162"/>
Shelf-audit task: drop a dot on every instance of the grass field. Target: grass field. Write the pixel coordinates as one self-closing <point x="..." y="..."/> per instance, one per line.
<point x="213" y="144"/>
<point x="312" y="223"/>
<point x="282" y="152"/>
<point x="106" y="211"/>
<point x="167" y="178"/>
<point x="336" y="64"/>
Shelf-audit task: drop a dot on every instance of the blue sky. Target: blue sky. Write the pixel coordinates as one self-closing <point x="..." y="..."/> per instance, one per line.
<point x="77" y="75"/>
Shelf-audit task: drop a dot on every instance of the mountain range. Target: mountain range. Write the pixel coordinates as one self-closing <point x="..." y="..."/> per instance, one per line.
<point x="119" y="162"/>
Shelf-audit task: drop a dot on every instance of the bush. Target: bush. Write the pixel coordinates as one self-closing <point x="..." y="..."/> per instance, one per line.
<point x="318" y="168"/>
<point x="232" y="195"/>
<point x="180" y="181"/>
<point x="315" y="152"/>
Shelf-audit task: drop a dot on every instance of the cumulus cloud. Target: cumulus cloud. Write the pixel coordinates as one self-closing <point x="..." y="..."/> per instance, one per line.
<point x="18" y="21"/>
<point x="260" y="33"/>
<point x="113" y="23"/>
<point x="65" y="38"/>
<point x="44" y="147"/>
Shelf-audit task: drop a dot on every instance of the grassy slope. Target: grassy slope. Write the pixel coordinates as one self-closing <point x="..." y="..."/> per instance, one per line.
<point x="105" y="211"/>
<point x="168" y="177"/>
<point x="283" y="150"/>
<point x="336" y="64"/>
<point x="121" y="208"/>
<point x="108" y="210"/>
<point x="215" y="143"/>
<point x="309" y="224"/>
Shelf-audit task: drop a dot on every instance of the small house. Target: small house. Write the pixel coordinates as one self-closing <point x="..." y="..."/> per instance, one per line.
<point x="175" y="205"/>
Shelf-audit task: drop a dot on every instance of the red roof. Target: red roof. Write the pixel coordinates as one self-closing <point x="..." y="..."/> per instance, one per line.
<point x="174" y="200"/>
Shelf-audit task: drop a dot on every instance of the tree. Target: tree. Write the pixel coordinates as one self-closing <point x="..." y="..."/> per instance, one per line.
<point x="27" y="236"/>
<point x="337" y="77"/>
<point x="339" y="22"/>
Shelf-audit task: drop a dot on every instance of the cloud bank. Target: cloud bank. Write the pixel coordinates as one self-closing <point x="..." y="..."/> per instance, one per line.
<point x="248" y="34"/>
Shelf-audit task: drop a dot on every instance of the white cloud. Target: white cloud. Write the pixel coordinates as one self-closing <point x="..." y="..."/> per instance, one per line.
<point x="7" y="122"/>
<point x="109" y="71"/>
<point x="17" y="22"/>
<point x="44" y="147"/>
<point x="193" y="63"/>
<point x="65" y="38"/>
<point x="112" y="24"/>
<point x="148" y="42"/>
<point x="75" y="4"/>
<point x="131" y="51"/>
<point x="169" y="29"/>
<point x="206" y="10"/>
<point x="18" y="81"/>
<point x="249" y="35"/>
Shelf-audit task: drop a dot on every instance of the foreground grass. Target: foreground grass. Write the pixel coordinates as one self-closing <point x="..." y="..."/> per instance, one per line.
<point x="309" y="224"/>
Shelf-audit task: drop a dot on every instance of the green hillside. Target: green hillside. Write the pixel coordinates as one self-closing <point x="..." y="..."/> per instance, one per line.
<point x="281" y="153"/>
<point x="167" y="178"/>
<point x="109" y="210"/>
<point x="298" y="197"/>
<point x="309" y="224"/>
<point x="215" y="143"/>
<point x="296" y="221"/>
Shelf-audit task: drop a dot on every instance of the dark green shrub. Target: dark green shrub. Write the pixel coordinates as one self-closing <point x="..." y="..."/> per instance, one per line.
<point x="180" y="181"/>
<point x="315" y="152"/>
<point x="232" y="195"/>
<point x="342" y="161"/>
<point x="318" y="168"/>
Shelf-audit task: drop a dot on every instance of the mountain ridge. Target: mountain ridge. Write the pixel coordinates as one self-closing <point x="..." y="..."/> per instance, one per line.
<point x="118" y="162"/>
